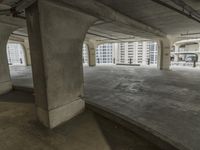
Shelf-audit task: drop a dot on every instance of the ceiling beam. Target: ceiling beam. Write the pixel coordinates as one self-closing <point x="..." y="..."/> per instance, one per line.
<point x="23" y="4"/>
<point x="181" y="8"/>
<point x="102" y="12"/>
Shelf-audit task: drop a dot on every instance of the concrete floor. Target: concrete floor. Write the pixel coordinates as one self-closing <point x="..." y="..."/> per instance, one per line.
<point x="165" y="103"/>
<point x="21" y="76"/>
<point x="20" y="130"/>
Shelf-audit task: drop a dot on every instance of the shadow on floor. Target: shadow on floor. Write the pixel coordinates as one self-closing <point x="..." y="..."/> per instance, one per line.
<point x="18" y="97"/>
<point x="20" y="130"/>
<point x="120" y="138"/>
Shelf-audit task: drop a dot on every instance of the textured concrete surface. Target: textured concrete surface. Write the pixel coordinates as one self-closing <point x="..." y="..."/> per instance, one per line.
<point x="163" y="102"/>
<point x="5" y="80"/>
<point x="92" y="46"/>
<point x="21" y="76"/>
<point x="56" y="54"/>
<point x="21" y="131"/>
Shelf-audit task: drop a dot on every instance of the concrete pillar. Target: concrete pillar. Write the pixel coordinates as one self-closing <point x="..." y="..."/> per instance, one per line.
<point x="177" y="47"/>
<point x="175" y="57"/>
<point x="27" y="51"/>
<point x="199" y="46"/>
<point x="56" y="35"/>
<point x="163" y="62"/>
<point x="5" y="80"/>
<point x="92" y="46"/>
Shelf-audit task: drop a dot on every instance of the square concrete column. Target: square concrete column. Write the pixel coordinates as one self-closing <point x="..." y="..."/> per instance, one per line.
<point x="92" y="46"/>
<point x="27" y="51"/>
<point x="5" y="80"/>
<point x="163" y="62"/>
<point x="56" y="35"/>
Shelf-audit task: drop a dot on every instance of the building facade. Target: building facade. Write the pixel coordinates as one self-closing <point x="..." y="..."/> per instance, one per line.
<point x="85" y="54"/>
<point x="143" y="53"/>
<point x="15" y="54"/>
<point x="104" y="53"/>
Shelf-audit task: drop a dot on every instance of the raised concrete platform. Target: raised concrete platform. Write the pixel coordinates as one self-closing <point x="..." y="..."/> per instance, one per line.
<point x="164" y="103"/>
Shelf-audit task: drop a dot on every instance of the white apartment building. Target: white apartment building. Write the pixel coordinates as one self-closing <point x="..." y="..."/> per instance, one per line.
<point x="104" y="53"/>
<point x="15" y="54"/>
<point x="124" y="53"/>
<point x="85" y="54"/>
<point x="153" y="52"/>
<point x="137" y="53"/>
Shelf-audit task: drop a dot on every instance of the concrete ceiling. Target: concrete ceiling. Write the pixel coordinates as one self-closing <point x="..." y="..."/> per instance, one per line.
<point x="146" y="12"/>
<point x="157" y="16"/>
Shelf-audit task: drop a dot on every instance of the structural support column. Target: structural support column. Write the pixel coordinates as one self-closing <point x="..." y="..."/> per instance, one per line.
<point x="56" y="35"/>
<point x="163" y="62"/>
<point x="5" y="80"/>
<point x="92" y="45"/>
<point x="27" y="51"/>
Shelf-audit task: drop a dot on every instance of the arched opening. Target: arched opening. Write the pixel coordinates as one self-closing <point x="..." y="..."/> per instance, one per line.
<point x="18" y="56"/>
<point x="186" y="53"/>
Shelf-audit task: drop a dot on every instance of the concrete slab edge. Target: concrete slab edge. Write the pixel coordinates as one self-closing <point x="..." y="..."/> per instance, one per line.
<point x="147" y="133"/>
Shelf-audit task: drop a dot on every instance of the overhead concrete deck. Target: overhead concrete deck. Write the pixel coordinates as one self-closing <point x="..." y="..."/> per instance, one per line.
<point x="164" y="103"/>
<point x="124" y="20"/>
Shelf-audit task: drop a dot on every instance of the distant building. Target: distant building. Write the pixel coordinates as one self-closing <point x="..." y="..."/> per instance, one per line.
<point x="137" y="53"/>
<point x="153" y="52"/>
<point x="85" y="54"/>
<point x="15" y="54"/>
<point x="104" y="54"/>
<point x="124" y="53"/>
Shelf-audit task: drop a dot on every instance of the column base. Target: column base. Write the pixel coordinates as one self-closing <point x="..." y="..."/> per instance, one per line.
<point x="92" y="65"/>
<point x="5" y="87"/>
<point x="165" y="69"/>
<point x="54" y="117"/>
